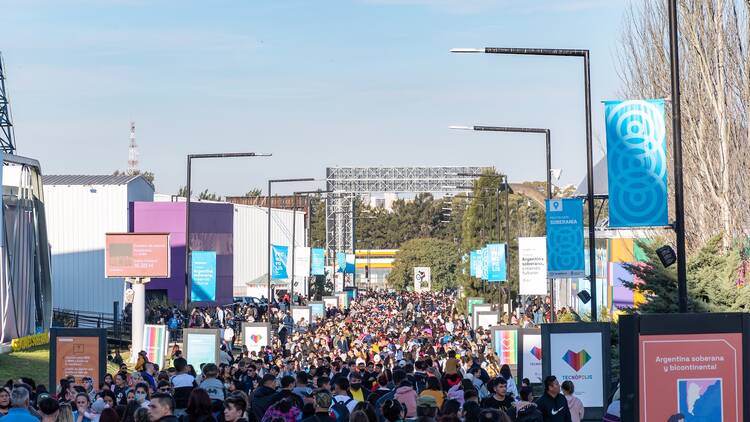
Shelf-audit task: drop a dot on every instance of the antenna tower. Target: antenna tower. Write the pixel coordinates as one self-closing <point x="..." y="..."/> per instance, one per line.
<point x="132" y="152"/>
<point x="7" y="135"/>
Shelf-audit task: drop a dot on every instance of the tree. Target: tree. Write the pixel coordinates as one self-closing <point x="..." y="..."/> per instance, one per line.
<point x="440" y="255"/>
<point x="715" y="83"/>
<point x="203" y="196"/>
<point x="317" y="222"/>
<point x="149" y="176"/>
<point x="253" y="193"/>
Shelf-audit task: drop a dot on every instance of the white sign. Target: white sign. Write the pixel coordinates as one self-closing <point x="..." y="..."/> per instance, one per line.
<point x="256" y="336"/>
<point x="578" y="357"/>
<point x="532" y="265"/>
<point x="422" y="279"/>
<point x="483" y="307"/>
<point x="330" y="302"/>
<point x="301" y="262"/>
<point x="486" y="319"/>
<point x="532" y="358"/>
<point x="301" y="312"/>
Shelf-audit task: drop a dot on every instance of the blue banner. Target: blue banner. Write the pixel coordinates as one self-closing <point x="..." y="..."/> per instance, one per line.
<point x="473" y="261"/>
<point x="340" y="262"/>
<point x="350" y="258"/>
<point x="485" y="260"/>
<point x="317" y="261"/>
<point x="637" y="163"/>
<point x="565" y="238"/>
<point x="496" y="265"/>
<point x="203" y="276"/>
<point x="279" y="263"/>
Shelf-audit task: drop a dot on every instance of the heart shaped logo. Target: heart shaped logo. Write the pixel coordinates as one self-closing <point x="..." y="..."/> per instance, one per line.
<point x="256" y="338"/>
<point x="577" y="360"/>
<point x="536" y="352"/>
<point x="507" y="343"/>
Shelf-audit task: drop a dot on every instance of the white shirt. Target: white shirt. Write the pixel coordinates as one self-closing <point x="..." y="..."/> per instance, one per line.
<point x="183" y="380"/>
<point x="343" y="399"/>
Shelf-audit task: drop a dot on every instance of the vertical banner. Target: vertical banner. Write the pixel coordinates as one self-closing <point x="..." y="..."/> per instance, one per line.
<point x="565" y="238"/>
<point x="422" y="279"/>
<point x="256" y="335"/>
<point x="473" y="261"/>
<point x="203" y="275"/>
<point x="505" y="344"/>
<point x="301" y="262"/>
<point x="317" y="261"/>
<point x="350" y="262"/>
<point x="636" y="163"/>
<point x="279" y="264"/>
<point x="343" y="300"/>
<point x="155" y="342"/>
<point x="340" y="262"/>
<point x="496" y="266"/>
<point x="532" y="266"/>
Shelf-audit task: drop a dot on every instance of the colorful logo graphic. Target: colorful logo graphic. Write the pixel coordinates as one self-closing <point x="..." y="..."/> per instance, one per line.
<point x="536" y="352"/>
<point x="577" y="360"/>
<point x="256" y="338"/>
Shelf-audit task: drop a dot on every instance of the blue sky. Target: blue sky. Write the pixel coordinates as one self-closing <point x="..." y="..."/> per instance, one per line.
<point x="316" y="83"/>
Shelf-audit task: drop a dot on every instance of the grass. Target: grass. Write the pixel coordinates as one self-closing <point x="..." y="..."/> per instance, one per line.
<point x="34" y="363"/>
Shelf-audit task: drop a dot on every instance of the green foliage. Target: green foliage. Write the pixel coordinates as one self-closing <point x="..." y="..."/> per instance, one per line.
<point x="253" y="193"/>
<point x="317" y="222"/>
<point x="440" y="255"/>
<point x="203" y="196"/>
<point x="712" y="280"/>
<point x="320" y="287"/>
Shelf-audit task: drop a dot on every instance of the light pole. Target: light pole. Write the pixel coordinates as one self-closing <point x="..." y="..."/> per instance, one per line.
<point x="679" y="202"/>
<point x="294" y="224"/>
<point x="584" y="54"/>
<point x="548" y="156"/>
<point x="270" y="184"/>
<point x="188" y="187"/>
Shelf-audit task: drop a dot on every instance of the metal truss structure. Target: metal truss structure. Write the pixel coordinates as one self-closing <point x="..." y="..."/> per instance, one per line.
<point x="346" y="183"/>
<point x="7" y="137"/>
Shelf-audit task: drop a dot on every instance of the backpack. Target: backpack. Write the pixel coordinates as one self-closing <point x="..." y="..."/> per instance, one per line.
<point x="341" y="412"/>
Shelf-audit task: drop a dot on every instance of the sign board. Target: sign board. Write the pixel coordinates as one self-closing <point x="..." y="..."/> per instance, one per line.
<point x="479" y="307"/>
<point x="201" y="346"/>
<point x="505" y="344"/>
<point x="155" y="343"/>
<point x="343" y="300"/>
<point x="470" y="302"/>
<point x="565" y="238"/>
<point x="487" y="319"/>
<point x="689" y="364"/>
<point x="532" y="266"/>
<point x="330" y="301"/>
<point x="137" y="255"/>
<point x="422" y="279"/>
<point x="580" y="352"/>
<point x="317" y="261"/>
<point x="203" y="276"/>
<point x="301" y="312"/>
<point x="531" y="355"/>
<point x="80" y="352"/>
<point x="301" y="262"/>
<point x="317" y="310"/>
<point x="256" y="335"/>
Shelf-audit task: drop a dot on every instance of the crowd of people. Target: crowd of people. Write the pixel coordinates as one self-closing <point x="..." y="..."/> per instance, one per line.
<point x="388" y="357"/>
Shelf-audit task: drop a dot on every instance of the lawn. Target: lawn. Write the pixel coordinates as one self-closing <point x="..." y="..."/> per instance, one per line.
<point x="34" y="363"/>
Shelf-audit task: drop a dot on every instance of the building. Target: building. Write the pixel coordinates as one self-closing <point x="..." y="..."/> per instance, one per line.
<point x="373" y="266"/>
<point x="80" y="210"/>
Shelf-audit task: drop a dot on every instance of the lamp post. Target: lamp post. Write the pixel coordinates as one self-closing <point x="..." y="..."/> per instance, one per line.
<point x="188" y="187"/>
<point x="270" y="185"/>
<point x="548" y="156"/>
<point x="679" y="202"/>
<point x="294" y="225"/>
<point x="584" y="54"/>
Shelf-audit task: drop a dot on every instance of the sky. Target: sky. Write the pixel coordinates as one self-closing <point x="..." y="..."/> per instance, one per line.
<point x="316" y="83"/>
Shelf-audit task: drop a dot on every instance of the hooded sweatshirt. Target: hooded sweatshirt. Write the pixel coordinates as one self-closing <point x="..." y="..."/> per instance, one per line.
<point x="525" y="411"/>
<point x="408" y="396"/>
<point x="554" y="409"/>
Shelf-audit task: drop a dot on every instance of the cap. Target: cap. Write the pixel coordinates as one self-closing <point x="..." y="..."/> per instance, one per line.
<point x="427" y="401"/>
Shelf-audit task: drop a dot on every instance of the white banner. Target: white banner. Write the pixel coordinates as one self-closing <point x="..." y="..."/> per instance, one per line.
<point x="301" y="312"/>
<point x="532" y="357"/>
<point x="483" y="307"/>
<point x="532" y="264"/>
<point x="422" y="279"/>
<point x="578" y="357"/>
<point x="301" y="262"/>
<point x="487" y="319"/>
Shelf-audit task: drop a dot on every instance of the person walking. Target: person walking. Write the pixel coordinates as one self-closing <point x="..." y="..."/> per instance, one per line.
<point x="574" y="403"/>
<point x="552" y="404"/>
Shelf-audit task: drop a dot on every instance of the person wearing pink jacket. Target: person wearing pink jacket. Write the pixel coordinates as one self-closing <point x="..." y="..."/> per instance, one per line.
<point x="574" y="403"/>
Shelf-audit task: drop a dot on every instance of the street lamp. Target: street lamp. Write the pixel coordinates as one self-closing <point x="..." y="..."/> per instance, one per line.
<point x="294" y="224"/>
<point x="188" y="186"/>
<point x="584" y="54"/>
<point x="270" y="184"/>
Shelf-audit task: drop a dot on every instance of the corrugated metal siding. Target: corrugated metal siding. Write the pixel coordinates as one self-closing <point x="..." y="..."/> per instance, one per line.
<point x="251" y="244"/>
<point x="77" y="219"/>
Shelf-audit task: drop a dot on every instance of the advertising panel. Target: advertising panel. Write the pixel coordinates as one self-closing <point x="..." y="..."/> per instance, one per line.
<point x="318" y="310"/>
<point x="496" y="265"/>
<point x="532" y="265"/>
<point x="201" y="346"/>
<point x="479" y="307"/>
<point x="486" y="319"/>
<point x="256" y="335"/>
<point x="422" y="279"/>
<point x="203" y="276"/>
<point x="636" y="163"/>
<point x="155" y="343"/>
<point x="137" y="255"/>
<point x="301" y="312"/>
<point x="532" y="357"/>
<point x="470" y="302"/>
<point x="317" y="261"/>
<point x="696" y="375"/>
<point x="505" y="345"/>
<point x="330" y="301"/>
<point x="578" y="357"/>
<point x="565" y="238"/>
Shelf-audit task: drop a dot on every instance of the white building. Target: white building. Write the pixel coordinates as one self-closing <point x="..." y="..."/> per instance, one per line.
<point x="80" y="211"/>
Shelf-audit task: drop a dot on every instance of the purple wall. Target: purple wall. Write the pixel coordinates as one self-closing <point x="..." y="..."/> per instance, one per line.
<point x="211" y="227"/>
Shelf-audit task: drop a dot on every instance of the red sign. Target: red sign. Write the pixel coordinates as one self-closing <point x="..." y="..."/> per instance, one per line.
<point x="137" y="255"/>
<point x="696" y="375"/>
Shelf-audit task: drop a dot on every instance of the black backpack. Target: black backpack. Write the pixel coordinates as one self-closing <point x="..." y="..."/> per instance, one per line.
<point x="341" y="410"/>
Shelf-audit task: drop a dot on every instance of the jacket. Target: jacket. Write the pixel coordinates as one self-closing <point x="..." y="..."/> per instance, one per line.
<point x="261" y="400"/>
<point x="554" y="409"/>
<point x="576" y="408"/>
<point x="408" y="396"/>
